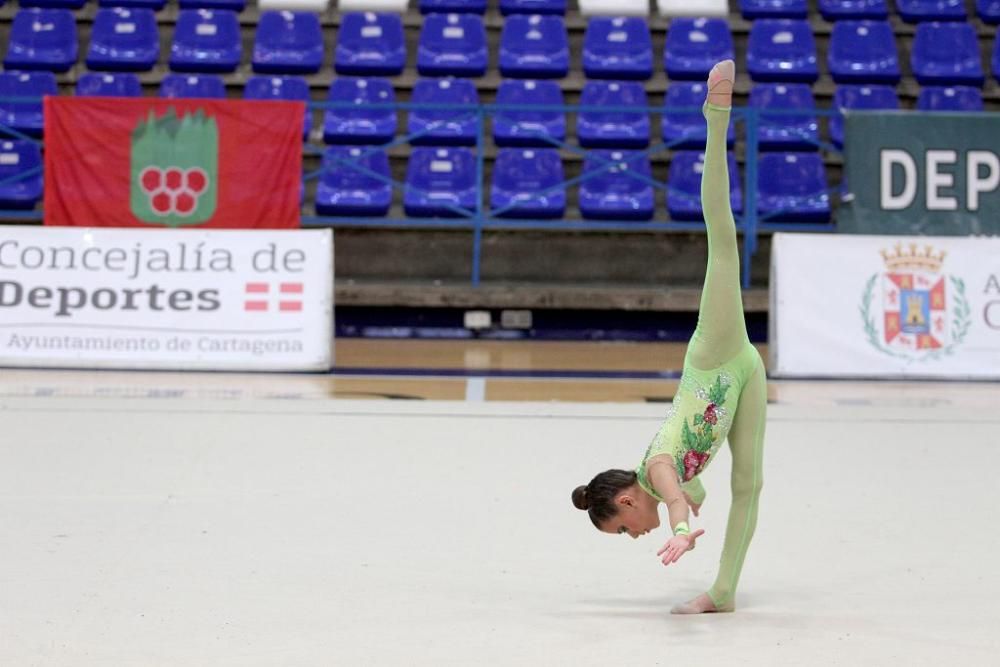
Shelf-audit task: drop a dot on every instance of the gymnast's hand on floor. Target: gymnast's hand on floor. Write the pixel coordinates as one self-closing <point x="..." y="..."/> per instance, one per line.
<point x="677" y="545"/>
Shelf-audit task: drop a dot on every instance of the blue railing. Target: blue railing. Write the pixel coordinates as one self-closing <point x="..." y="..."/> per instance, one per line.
<point x="750" y="224"/>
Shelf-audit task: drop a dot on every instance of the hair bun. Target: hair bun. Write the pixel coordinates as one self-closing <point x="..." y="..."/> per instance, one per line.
<point x="580" y="499"/>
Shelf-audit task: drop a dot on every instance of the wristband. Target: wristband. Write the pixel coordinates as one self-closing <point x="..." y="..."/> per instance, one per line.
<point x="682" y="529"/>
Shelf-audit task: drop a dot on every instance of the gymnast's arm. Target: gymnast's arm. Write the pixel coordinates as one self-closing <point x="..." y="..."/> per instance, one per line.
<point x="663" y="478"/>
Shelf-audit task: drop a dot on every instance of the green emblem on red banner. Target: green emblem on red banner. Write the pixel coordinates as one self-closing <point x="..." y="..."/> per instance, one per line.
<point x="174" y="168"/>
<point x="152" y="162"/>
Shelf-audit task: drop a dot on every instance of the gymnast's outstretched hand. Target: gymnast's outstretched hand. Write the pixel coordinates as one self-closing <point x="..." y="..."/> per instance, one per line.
<point x="677" y="545"/>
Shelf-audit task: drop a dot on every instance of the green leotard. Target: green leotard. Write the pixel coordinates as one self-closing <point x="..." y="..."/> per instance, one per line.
<point x="723" y="391"/>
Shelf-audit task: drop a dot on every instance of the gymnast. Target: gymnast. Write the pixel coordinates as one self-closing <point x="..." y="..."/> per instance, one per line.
<point x="722" y="392"/>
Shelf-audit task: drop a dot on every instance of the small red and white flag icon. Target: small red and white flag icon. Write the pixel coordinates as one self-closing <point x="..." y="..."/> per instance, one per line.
<point x="287" y="298"/>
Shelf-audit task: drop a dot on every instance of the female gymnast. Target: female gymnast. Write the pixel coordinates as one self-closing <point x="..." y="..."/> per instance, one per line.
<point x="722" y="391"/>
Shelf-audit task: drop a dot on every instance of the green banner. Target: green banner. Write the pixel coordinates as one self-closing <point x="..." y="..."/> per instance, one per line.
<point x="921" y="173"/>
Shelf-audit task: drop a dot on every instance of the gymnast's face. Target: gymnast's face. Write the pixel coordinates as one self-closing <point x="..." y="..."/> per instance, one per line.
<point x="636" y="515"/>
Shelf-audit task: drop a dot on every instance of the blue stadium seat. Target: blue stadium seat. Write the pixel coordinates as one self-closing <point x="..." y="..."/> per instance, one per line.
<point x="288" y="43"/>
<point x="437" y="179"/>
<point x="950" y="98"/>
<point x="155" y="5"/>
<point x="863" y="52"/>
<point x="452" y="45"/>
<point x="66" y="4"/>
<point x="25" y="116"/>
<point x="773" y="9"/>
<point x="124" y="39"/>
<point x="859" y="98"/>
<point x="527" y="180"/>
<point x="19" y="159"/>
<point x="535" y="47"/>
<point x="684" y="185"/>
<point x="915" y="11"/>
<point x="508" y="7"/>
<point x="853" y="10"/>
<point x="613" y="129"/>
<point x="693" y="46"/>
<point x="209" y="86"/>
<point x="231" y="5"/>
<point x="529" y="128"/>
<point x="988" y="11"/>
<point x="108" y="84"/>
<point x="343" y="190"/>
<point x="785" y="132"/>
<point x="792" y="188"/>
<point x="617" y="48"/>
<point x="452" y="6"/>
<point x="687" y="128"/>
<point x="856" y="10"/>
<point x="370" y="44"/>
<point x="615" y="194"/>
<point x="443" y="127"/>
<point x="996" y="57"/>
<point x="362" y="125"/>
<point x="280" y="88"/>
<point x="42" y="39"/>
<point x="782" y="50"/>
<point x="206" y="40"/>
<point x="946" y="54"/>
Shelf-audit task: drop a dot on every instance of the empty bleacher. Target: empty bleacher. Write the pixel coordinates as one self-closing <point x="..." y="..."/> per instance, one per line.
<point x="219" y="48"/>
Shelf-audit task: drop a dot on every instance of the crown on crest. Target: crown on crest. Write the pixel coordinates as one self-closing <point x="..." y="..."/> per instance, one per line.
<point x="913" y="257"/>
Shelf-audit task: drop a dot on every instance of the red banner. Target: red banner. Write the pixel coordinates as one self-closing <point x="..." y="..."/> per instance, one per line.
<point x="139" y="162"/>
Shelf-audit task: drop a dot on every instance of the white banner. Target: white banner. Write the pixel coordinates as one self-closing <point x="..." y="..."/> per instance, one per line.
<point x="885" y="306"/>
<point x="177" y="299"/>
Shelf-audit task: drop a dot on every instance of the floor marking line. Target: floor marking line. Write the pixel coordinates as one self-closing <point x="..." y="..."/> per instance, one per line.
<point x="475" y="389"/>
<point x="945" y="419"/>
<point x="418" y="372"/>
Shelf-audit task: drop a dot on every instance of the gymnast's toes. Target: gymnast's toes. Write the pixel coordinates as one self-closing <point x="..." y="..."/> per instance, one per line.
<point x="720" y="84"/>
<point x="701" y="605"/>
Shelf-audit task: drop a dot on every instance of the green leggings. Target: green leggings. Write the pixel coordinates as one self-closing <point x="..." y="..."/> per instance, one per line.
<point x="720" y="340"/>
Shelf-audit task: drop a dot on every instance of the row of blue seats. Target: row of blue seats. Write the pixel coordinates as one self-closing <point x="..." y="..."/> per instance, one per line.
<point x="507" y="7"/>
<point x="533" y="46"/>
<point x="289" y="42"/>
<point x="425" y="6"/>
<point x="619" y="128"/>
<point x="529" y="183"/>
<point x="526" y="183"/>
<point x="865" y="51"/>
<point x="361" y="122"/>
<point x="911" y="11"/>
<point x="155" y="5"/>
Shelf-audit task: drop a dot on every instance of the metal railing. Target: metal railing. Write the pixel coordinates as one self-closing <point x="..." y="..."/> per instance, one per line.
<point x="750" y="224"/>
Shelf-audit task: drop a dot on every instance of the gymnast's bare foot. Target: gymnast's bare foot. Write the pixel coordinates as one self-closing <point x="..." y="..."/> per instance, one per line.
<point x="700" y="605"/>
<point x="720" y="84"/>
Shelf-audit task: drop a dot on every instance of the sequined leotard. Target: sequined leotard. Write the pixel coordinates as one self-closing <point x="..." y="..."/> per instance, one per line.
<point x="699" y="419"/>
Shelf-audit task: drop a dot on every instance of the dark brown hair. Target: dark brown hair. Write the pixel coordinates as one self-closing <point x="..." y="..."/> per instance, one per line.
<point x="598" y="497"/>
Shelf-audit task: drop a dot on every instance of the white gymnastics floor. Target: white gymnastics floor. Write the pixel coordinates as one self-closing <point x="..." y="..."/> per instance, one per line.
<point x="145" y="531"/>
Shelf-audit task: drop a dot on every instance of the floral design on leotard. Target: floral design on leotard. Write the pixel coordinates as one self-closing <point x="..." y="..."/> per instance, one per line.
<point x="699" y="439"/>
